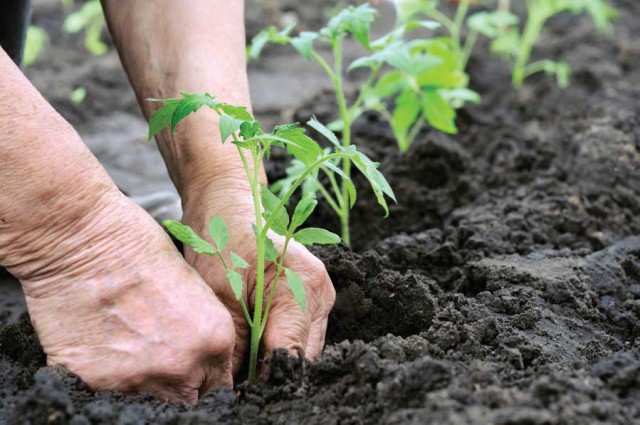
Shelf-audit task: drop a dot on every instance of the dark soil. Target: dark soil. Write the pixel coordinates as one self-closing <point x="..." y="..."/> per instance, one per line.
<point x="504" y="288"/>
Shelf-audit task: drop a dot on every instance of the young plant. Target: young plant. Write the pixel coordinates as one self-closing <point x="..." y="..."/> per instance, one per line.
<point x="89" y="19"/>
<point x="421" y="77"/>
<point x="516" y="46"/>
<point x="35" y="43"/>
<point x="270" y="210"/>
<point x="502" y="27"/>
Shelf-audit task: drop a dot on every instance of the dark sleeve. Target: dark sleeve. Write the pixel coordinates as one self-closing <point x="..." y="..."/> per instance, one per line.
<point x="14" y="20"/>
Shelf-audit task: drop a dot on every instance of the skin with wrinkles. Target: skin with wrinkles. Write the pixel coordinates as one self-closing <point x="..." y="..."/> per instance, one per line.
<point x="108" y="294"/>
<point x="214" y="184"/>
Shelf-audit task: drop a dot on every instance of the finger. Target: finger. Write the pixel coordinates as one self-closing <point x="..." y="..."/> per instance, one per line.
<point x="216" y="375"/>
<point x="287" y="325"/>
<point x="242" y="340"/>
<point x="315" y="344"/>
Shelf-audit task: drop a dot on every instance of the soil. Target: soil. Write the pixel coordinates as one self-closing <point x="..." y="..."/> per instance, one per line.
<point x="503" y="289"/>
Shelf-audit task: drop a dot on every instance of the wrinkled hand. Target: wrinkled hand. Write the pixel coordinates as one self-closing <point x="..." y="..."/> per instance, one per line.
<point x="287" y="326"/>
<point x="117" y="305"/>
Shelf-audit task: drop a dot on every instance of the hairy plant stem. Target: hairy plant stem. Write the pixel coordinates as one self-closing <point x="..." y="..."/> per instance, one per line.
<point x="255" y="325"/>
<point x="346" y="118"/>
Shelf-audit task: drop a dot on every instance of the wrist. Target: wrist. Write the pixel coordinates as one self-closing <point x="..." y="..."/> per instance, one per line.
<point x="197" y="159"/>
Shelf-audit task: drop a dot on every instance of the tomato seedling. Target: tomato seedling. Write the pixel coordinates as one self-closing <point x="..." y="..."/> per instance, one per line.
<point x="516" y="46"/>
<point x="421" y="76"/>
<point x="270" y="210"/>
<point x="503" y="28"/>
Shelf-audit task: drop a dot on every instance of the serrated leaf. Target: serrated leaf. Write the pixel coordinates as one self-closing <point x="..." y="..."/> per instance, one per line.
<point x="320" y="128"/>
<point x="257" y="44"/>
<point x="269" y="203"/>
<point x="408" y="9"/>
<point x="238" y="112"/>
<point x="238" y="262"/>
<point x="162" y="117"/>
<point x="248" y="129"/>
<point x="389" y="84"/>
<point x="219" y="232"/>
<point x="438" y="112"/>
<point x="302" y="147"/>
<point x="405" y="114"/>
<point x="303" y="210"/>
<point x="303" y="43"/>
<point x="270" y="251"/>
<point x="188" y="236"/>
<point x="190" y="103"/>
<point x="228" y="125"/>
<point x="297" y="288"/>
<point x="378" y="183"/>
<point x="236" y="282"/>
<point x="491" y="24"/>
<point x="355" y="20"/>
<point x="316" y="236"/>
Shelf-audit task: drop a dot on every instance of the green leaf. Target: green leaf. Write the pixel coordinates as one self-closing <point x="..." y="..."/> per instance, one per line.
<point x="236" y="282"/>
<point x="297" y="288"/>
<point x="37" y="39"/>
<point x="238" y="112"/>
<point x="457" y="97"/>
<point x="346" y="182"/>
<point x="408" y="9"/>
<point x="303" y="43"/>
<point x="189" y="104"/>
<point x="270" y="35"/>
<point x="269" y="203"/>
<point x="320" y="128"/>
<point x="447" y="73"/>
<point x="248" y="129"/>
<point x="360" y="24"/>
<point x="405" y="114"/>
<point x="257" y="44"/>
<point x="219" y="232"/>
<point x="438" y="112"/>
<point x="492" y="24"/>
<point x="270" y="251"/>
<point x="378" y="183"/>
<point x="162" y="117"/>
<point x="507" y="44"/>
<point x="389" y="84"/>
<point x="303" y="210"/>
<point x="188" y="236"/>
<point x="316" y="236"/>
<point x="78" y="95"/>
<point x="228" y="126"/>
<point x="302" y="147"/>
<point x="355" y="20"/>
<point x="238" y="262"/>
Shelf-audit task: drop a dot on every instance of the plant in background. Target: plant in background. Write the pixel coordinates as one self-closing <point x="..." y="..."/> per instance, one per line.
<point x="90" y="19"/>
<point x="36" y="41"/>
<point x="516" y="46"/>
<point x="502" y="27"/>
<point x="422" y="77"/>
<point x="270" y="210"/>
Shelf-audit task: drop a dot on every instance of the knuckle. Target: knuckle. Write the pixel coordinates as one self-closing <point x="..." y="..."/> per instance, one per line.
<point x="219" y="340"/>
<point x="317" y="276"/>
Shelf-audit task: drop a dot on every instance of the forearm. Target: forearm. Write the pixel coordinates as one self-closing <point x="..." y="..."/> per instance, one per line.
<point x="170" y="46"/>
<point x="42" y="159"/>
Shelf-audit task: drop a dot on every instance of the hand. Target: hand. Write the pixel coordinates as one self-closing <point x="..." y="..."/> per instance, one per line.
<point x="116" y="304"/>
<point x="287" y="326"/>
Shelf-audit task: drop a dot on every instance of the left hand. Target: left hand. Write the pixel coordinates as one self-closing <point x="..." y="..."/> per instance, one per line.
<point x="287" y="326"/>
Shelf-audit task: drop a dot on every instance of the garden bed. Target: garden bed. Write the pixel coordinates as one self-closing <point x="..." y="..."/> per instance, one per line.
<point x="504" y="288"/>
